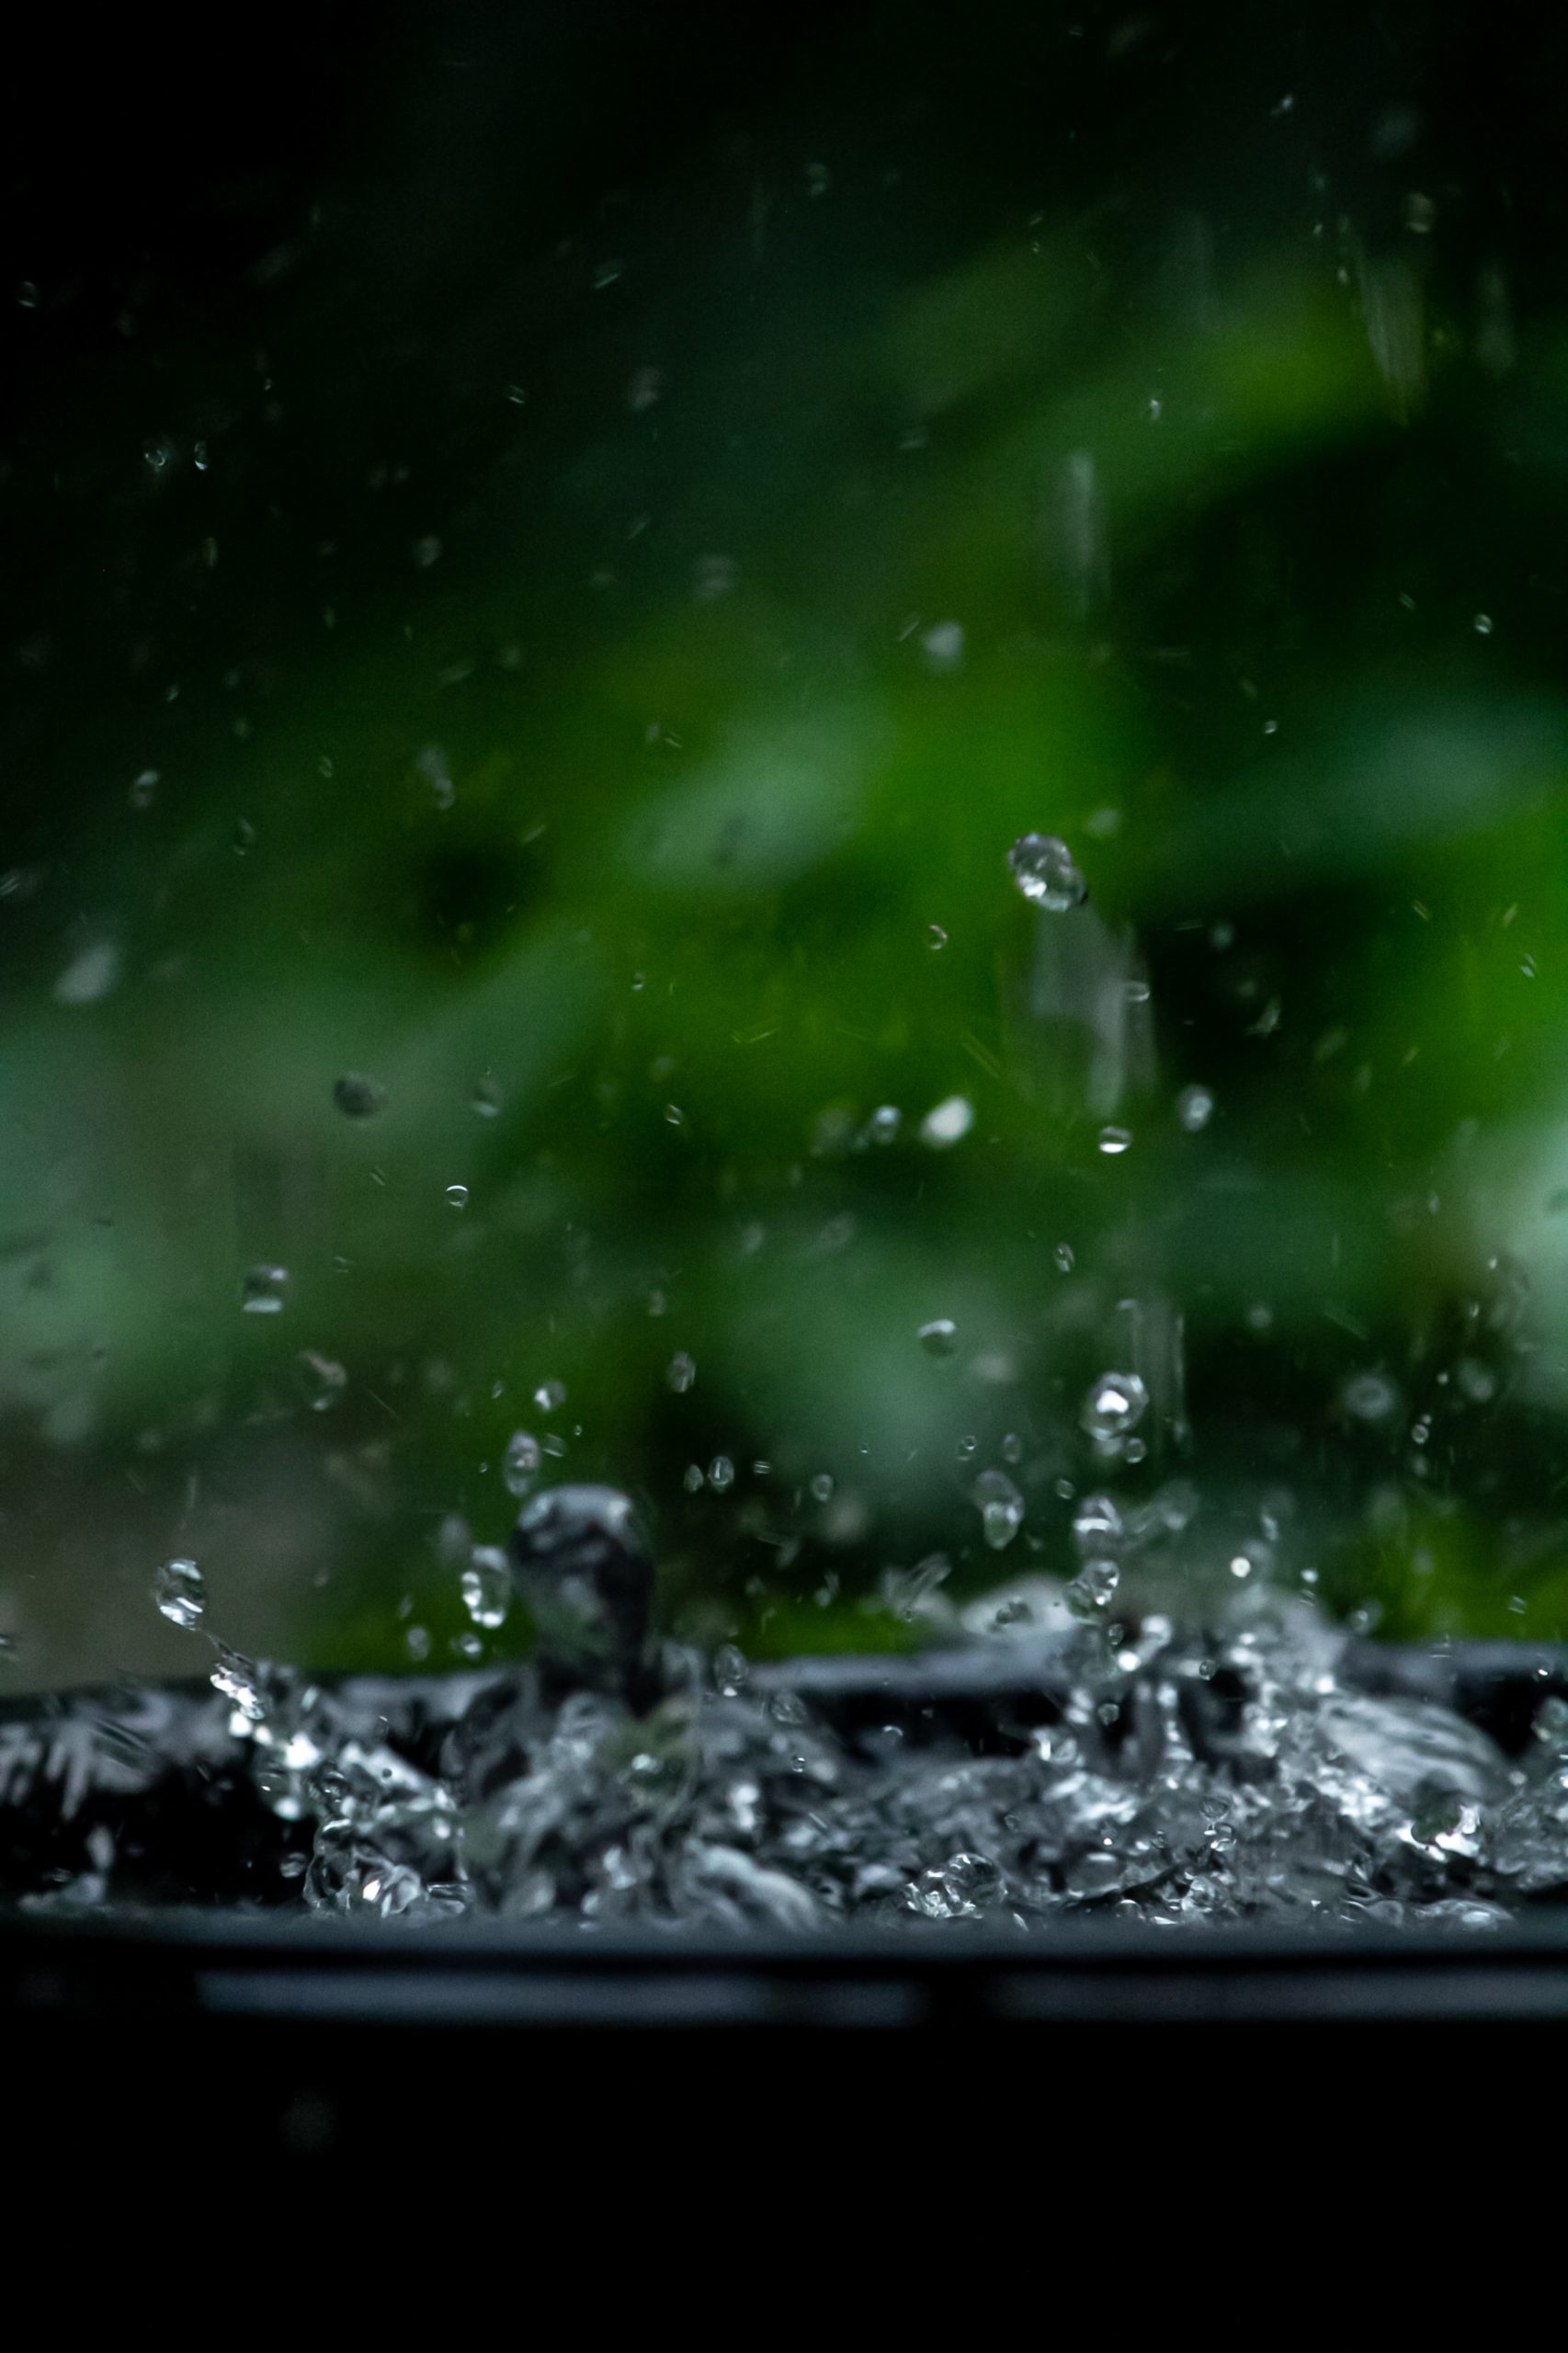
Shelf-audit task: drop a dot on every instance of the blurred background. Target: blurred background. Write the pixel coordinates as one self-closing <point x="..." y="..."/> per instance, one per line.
<point x="550" y="553"/>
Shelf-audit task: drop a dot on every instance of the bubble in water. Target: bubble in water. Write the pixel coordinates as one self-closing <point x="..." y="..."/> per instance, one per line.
<point x="519" y="1463"/>
<point x="1113" y="1140"/>
<point x="939" y="1337"/>
<point x="321" y="1382"/>
<point x="721" y="1473"/>
<point x="1000" y="1508"/>
<point x="180" y="1592"/>
<point x="262" y="1292"/>
<point x="1194" y="1108"/>
<point x="1089" y="1593"/>
<point x="357" y="1097"/>
<point x="457" y="1197"/>
<point x="550" y="1396"/>
<point x="1047" y="873"/>
<point x="1114" y="1407"/>
<point x="680" y="1372"/>
<point x="948" y="1123"/>
<point x="935" y="936"/>
<point x="1369" y="1397"/>
<point x="486" y="1585"/>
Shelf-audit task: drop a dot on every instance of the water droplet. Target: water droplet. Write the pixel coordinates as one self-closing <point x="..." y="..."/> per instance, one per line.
<point x="1114" y="1407"/>
<point x="321" y="1382"/>
<point x="27" y="295"/>
<point x="180" y="1592"/>
<point x="721" y="1473"/>
<point x="143" y="788"/>
<point x="680" y="1372"/>
<point x="1194" y="1108"/>
<point x="486" y="1585"/>
<point x="948" y="1123"/>
<point x="1097" y="1526"/>
<point x="1000" y="1508"/>
<point x="1476" y="1380"/>
<point x="588" y="1576"/>
<point x="1369" y="1397"/>
<point x="935" y="936"/>
<point x="427" y="551"/>
<point x="1483" y="624"/>
<point x="1113" y="1141"/>
<point x="939" y="1337"/>
<point x="943" y="645"/>
<point x="731" y="1673"/>
<point x="883" y="1125"/>
<point x="158" y="454"/>
<point x="1047" y="873"/>
<point x="262" y="1291"/>
<point x="821" y="1488"/>
<point x="236" y="1677"/>
<point x="550" y="1396"/>
<point x="457" y="1197"/>
<point x="1062" y="1259"/>
<point x="357" y="1097"/>
<point x="519" y="1463"/>
<point x="1089" y="1593"/>
<point x="90" y="975"/>
<point x="485" y="1100"/>
<point x="675" y="1117"/>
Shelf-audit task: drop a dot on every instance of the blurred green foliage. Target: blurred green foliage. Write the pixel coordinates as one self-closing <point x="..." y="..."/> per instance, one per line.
<point x="579" y="655"/>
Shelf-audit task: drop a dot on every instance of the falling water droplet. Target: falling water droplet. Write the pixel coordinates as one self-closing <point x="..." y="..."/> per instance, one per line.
<point x="457" y="1197"/>
<point x="1063" y="1257"/>
<point x="1089" y="1593"/>
<point x="939" y="1337"/>
<point x="1047" y="873"/>
<point x="1483" y="624"/>
<point x="1097" y="1526"/>
<point x="263" y="1289"/>
<point x="935" y="936"/>
<point x="721" y="1473"/>
<point x="948" y="1123"/>
<point x="321" y="1382"/>
<point x="883" y="1125"/>
<point x="1000" y="1508"/>
<point x="550" y="1396"/>
<point x="1114" y="1405"/>
<point x="821" y="1488"/>
<point x="486" y="1585"/>
<point x="1369" y="1397"/>
<point x="1113" y="1141"/>
<point x="680" y="1372"/>
<point x="486" y="1100"/>
<point x="357" y="1097"/>
<point x="180" y="1592"/>
<point x="519" y="1463"/>
<point x="1195" y="1107"/>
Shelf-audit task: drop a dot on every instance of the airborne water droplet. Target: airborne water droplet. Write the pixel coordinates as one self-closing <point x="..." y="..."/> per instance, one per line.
<point x="1047" y="873"/>
<point x="321" y="1382"/>
<point x="721" y="1473"/>
<point x="939" y="1337"/>
<point x="948" y="1123"/>
<point x="1113" y="1141"/>
<point x="357" y="1097"/>
<point x="519" y="1464"/>
<point x="550" y="1396"/>
<point x="486" y="1585"/>
<point x="680" y="1372"/>
<point x="180" y="1593"/>
<point x="1195" y="1106"/>
<point x="1089" y="1593"/>
<point x="1114" y="1405"/>
<point x="457" y="1196"/>
<point x="935" y="936"/>
<point x="1001" y="1507"/>
<point x="262" y="1291"/>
